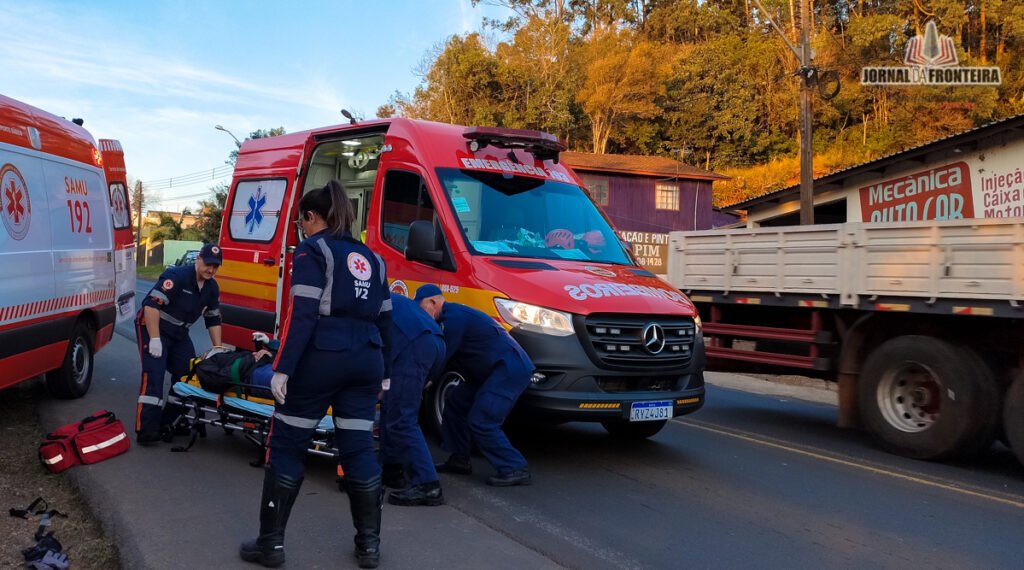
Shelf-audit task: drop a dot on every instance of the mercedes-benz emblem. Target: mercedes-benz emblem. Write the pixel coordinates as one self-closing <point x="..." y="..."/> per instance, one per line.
<point x="653" y="338"/>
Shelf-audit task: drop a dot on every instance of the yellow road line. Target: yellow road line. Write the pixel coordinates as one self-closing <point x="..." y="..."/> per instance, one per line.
<point x="760" y="440"/>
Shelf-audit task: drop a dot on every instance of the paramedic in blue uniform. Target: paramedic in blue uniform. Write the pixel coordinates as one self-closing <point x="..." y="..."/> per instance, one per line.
<point x="417" y="354"/>
<point x="497" y="371"/>
<point x="181" y="295"/>
<point x="334" y="352"/>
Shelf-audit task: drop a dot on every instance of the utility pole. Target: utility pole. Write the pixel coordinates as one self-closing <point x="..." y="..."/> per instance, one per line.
<point x="808" y="80"/>
<point x="139" y="198"/>
<point x="808" y="76"/>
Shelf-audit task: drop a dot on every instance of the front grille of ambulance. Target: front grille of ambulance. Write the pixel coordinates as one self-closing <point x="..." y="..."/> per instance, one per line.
<point x="617" y="340"/>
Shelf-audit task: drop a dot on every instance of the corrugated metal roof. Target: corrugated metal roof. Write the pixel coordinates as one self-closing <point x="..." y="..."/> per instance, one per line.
<point x="987" y="129"/>
<point x="637" y="164"/>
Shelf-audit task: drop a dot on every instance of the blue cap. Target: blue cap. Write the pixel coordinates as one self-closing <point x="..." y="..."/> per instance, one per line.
<point x="211" y="254"/>
<point x="427" y="290"/>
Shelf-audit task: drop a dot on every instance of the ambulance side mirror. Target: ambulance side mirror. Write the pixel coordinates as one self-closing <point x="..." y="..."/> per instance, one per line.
<point x="422" y="244"/>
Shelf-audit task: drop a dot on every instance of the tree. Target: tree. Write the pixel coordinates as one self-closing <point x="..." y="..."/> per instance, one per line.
<point x="139" y="198"/>
<point x="623" y="77"/>
<point x="170" y="229"/>
<point x="211" y="214"/>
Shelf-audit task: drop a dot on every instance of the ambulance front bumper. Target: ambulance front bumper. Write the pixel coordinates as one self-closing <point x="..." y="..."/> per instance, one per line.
<point x="572" y="384"/>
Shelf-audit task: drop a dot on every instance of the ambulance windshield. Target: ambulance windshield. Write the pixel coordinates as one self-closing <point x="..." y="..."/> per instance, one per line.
<point x="522" y="216"/>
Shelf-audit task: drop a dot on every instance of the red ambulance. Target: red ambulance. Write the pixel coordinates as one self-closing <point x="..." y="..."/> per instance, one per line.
<point x="66" y="248"/>
<point x="493" y="218"/>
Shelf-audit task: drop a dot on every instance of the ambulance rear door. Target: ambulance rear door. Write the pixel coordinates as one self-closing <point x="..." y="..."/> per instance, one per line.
<point x="120" y="214"/>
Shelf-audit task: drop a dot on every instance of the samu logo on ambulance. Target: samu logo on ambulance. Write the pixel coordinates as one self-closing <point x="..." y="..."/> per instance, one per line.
<point x="15" y="207"/>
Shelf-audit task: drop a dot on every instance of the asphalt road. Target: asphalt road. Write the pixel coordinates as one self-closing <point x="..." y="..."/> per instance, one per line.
<point x="749" y="481"/>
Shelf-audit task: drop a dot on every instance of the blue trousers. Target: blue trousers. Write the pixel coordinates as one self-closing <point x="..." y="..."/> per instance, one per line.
<point x="152" y="412"/>
<point x="348" y="381"/>
<point x="474" y="413"/>
<point x="401" y="439"/>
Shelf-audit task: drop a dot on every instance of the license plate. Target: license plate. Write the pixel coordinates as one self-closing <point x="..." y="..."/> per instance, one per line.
<point x="650" y="411"/>
<point x="125" y="308"/>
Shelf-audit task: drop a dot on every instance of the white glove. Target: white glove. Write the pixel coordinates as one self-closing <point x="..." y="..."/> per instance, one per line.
<point x="385" y="384"/>
<point x="216" y="350"/>
<point x="279" y="386"/>
<point x="260" y="337"/>
<point x="156" y="348"/>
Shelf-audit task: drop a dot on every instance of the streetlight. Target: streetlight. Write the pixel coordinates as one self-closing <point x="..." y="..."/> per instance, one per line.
<point x="221" y="128"/>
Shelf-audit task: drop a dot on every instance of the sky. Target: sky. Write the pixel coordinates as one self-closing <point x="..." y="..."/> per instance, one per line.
<point x="158" y="76"/>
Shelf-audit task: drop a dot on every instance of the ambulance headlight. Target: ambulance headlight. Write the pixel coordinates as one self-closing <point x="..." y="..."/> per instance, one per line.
<point x="534" y="318"/>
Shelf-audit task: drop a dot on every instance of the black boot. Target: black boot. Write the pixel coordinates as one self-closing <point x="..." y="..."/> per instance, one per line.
<point x="366" y="498"/>
<point x="424" y="494"/>
<point x="279" y="492"/>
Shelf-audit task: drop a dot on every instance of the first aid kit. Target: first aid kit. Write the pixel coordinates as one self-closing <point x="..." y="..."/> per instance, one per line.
<point x="95" y="438"/>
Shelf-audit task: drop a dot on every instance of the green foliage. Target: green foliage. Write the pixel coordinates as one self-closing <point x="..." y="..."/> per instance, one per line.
<point x="711" y="80"/>
<point x="211" y="215"/>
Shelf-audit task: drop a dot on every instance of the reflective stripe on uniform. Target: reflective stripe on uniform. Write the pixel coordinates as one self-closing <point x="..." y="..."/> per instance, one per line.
<point x="380" y="264"/>
<point x="150" y="400"/>
<point x="159" y="296"/>
<point x="295" y="421"/>
<point x="353" y="424"/>
<point x="307" y="291"/>
<point x="212" y="313"/>
<point x="171" y="319"/>
<point x="325" y="299"/>
<point x="386" y="305"/>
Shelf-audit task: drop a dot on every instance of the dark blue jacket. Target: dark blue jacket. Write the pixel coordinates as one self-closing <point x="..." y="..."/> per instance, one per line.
<point x="410" y="324"/>
<point x="477" y="343"/>
<point x="339" y="301"/>
<point x="180" y="300"/>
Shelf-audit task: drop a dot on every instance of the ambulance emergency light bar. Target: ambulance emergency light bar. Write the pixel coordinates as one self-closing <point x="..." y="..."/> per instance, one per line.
<point x="541" y="145"/>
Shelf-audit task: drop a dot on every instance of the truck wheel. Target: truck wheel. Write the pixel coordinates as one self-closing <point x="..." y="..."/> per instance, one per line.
<point x="631" y="430"/>
<point x="989" y="408"/>
<point x="1013" y="418"/>
<point x="73" y="378"/>
<point x="924" y="398"/>
<point x="433" y="403"/>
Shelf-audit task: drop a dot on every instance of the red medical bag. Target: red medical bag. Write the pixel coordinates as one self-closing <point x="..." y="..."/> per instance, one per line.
<point x="97" y="437"/>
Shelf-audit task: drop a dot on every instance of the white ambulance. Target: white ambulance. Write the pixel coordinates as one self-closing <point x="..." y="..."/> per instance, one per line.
<point x="67" y="270"/>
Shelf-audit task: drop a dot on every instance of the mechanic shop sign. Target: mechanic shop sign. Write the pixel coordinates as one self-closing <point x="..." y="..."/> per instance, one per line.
<point x="650" y="249"/>
<point x="941" y="193"/>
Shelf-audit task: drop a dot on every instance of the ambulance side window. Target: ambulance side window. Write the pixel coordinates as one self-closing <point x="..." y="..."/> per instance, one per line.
<point x="406" y="200"/>
<point x="119" y="206"/>
<point x="255" y="209"/>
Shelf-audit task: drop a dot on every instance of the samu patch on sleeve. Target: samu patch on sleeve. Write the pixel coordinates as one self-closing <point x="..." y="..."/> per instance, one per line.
<point x="167" y="285"/>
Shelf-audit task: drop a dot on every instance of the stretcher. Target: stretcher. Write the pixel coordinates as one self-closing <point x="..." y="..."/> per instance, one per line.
<point x="238" y="410"/>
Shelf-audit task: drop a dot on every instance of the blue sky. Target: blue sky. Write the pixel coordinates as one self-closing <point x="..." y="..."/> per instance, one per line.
<point x="159" y="75"/>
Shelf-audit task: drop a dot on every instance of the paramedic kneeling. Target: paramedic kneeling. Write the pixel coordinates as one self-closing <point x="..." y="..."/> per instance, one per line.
<point x="334" y="352"/>
<point x="417" y="353"/>
<point x="497" y="371"/>
<point x="178" y="298"/>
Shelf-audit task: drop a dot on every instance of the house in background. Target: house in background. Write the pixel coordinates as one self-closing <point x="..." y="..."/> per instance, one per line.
<point x="648" y="196"/>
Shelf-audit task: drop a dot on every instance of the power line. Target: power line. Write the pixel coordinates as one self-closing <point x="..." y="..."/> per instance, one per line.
<point x="189" y="179"/>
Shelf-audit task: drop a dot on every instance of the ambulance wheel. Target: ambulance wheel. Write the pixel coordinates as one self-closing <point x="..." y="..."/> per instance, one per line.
<point x="73" y="378"/>
<point x="436" y="396"/>
<point x="633" y="430"/>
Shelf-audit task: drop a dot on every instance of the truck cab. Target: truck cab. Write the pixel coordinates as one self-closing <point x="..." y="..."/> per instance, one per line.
<point x="491" y="217"/>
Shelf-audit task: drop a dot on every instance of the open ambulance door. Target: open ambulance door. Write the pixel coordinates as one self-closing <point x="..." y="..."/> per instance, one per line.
<point x="124" y="241"/>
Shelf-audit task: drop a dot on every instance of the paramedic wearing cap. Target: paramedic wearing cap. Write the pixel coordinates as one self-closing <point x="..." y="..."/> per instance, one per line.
<point x="497" y="371"/>
<point x="181" y="295"/>
<point x="334" y="352"/>
<point x="417" y="354"/>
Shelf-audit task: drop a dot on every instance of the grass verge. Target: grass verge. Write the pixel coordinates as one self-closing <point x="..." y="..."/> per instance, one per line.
<point x="23" y="478"/>
<point x="150" y="272"/>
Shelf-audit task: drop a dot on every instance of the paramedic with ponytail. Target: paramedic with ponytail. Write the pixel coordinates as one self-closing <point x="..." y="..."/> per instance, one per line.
<point x="334" y="352"/>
